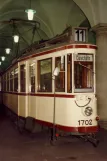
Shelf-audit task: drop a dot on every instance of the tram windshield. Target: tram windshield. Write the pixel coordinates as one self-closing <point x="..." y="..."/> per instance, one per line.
<point x="83" y="73"/>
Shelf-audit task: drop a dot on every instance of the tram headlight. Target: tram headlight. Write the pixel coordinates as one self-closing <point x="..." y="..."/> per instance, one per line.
<point x="88" y="111"/>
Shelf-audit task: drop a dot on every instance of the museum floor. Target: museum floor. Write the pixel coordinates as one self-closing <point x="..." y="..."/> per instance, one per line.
<point x="26" y="147"/>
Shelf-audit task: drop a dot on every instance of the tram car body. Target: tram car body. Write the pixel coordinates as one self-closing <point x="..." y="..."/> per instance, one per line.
<point x="55" y="85"/>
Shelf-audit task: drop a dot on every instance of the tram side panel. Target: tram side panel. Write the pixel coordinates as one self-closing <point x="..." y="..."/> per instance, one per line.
<point x="40" y="106"/>
<point x="10" y="96"/>
<point x="68" y="116"/>
<point x="11" y="102"/>
<point x="32" y="106"/>
<point x="14" y="103"/>
<point x="44" y="109"/>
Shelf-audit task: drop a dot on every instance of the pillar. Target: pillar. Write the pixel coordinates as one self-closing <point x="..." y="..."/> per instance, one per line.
<point x="101" y="72"/>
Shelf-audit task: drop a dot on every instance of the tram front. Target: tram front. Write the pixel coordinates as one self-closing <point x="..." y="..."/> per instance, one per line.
<point x="85" y="92"/>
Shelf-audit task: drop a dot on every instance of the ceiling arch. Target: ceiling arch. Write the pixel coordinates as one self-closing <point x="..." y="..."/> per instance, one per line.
<point x="53" y="16"/>
<point x="95" y="10"/>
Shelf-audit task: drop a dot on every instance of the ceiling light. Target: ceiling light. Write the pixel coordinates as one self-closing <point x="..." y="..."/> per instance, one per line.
<point x="16" y="38"/>
<point x="7" y="50"/>
<point x="0" y="62"/>
<point x="30" y="13"/>
<point x="3" y="58"/>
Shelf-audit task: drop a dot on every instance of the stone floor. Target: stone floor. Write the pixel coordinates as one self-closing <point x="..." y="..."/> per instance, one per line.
<point x="17" y="147"/>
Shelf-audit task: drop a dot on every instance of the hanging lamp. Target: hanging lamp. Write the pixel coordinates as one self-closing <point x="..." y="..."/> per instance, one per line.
<point x="7" y="50"/>
<point x="30" y="12"/>
<point x="16" y="38"/>
<point x="3" y="58"/>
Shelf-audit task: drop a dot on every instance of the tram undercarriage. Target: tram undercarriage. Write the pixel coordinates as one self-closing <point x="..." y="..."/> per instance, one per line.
<point x="32" y="127"/>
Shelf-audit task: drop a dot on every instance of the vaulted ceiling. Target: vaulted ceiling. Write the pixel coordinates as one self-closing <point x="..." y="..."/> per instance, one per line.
<point x="52" y="15"/>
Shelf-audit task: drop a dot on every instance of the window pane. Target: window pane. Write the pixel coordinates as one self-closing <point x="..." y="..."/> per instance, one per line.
<point x="83" y="71"/>
<point x="32" y="76"/>
<point x="8" y="81"/>
<point x="22" y="78"/>
<point x="45" y="75"/>
<point x="60" y="79"/>
<point x="11" y="84"/>
<point x="4" y="82"/>
<point x="16" y="80"/>
<point x="2" y="87"/>
<point x="69" y="73"/>
<point x="11" y="80"/>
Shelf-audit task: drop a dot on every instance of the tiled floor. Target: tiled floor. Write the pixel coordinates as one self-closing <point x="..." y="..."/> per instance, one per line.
<point x="17" y="147"/>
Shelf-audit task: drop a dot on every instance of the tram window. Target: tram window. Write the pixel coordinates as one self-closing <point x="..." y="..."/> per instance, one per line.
<point x="16" y="79"/>
<point x="69" y="73"/>
<point x="8" y="81"/>
<point x="60" y="79"/>
<point x="45" y="75"/>
<point x="22" y="78"/>
<point x="32" y="76"/>
<point x="11" y="80"/>
<point x="4" y="84"/>
<point x="0" y="84"/>
<point x="83" y="73"/>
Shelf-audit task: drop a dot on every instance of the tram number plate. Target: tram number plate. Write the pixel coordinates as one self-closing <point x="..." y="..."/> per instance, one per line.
<point x="85" y="122"/>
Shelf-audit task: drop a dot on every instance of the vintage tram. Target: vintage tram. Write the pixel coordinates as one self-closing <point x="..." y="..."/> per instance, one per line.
<point x="54" y="83"/>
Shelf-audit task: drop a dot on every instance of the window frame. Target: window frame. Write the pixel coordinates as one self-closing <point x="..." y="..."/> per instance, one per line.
<point x="34" y="75"/>
<point x="85" y="90"/>
<point x="24" y="78"/>
<point x="39" y="88"/>
<point x="62" y="73"/>
<point x="11" y="80"/>
<point x="16" y="77"/>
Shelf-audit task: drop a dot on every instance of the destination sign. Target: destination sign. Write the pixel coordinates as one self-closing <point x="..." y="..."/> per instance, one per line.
<point x="83" y="57"/>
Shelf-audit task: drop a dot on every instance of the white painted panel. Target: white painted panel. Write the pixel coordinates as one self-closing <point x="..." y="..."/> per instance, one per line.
<point x="23" y="106"/>
<point x="11" y="101"/>
<point x="45" y="108"/>
<point x="67" y="112"/>
<point x="32" y="106"/>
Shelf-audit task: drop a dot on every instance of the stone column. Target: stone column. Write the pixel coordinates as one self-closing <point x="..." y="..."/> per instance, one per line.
<point x="101" y="72"/>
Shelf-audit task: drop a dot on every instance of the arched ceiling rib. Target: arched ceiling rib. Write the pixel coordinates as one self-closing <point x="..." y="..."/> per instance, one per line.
<point x="95" y="10"/>
<point x="53" y="16"/>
